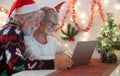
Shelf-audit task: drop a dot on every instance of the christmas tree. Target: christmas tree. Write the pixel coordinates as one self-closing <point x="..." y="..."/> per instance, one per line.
<point x="109" y="39"/>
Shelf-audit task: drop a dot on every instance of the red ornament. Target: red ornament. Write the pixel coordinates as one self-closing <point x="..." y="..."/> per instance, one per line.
<point x="70" y="38"/>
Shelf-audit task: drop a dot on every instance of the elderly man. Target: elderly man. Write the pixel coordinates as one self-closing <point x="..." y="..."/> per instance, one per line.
<point x="24" y="21"/>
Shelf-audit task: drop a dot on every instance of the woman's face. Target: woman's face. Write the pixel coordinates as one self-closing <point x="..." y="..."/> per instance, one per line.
<point x="51" y="25"/>
<point x="48" y="26"/>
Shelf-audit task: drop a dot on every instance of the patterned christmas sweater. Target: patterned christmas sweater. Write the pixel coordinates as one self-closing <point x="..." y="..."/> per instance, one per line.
<point x="12" y="50"/>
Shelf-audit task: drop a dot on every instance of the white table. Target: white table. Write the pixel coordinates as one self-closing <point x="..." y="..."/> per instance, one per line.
<point x="116" y="72"/>
<point x="34" y="73"/>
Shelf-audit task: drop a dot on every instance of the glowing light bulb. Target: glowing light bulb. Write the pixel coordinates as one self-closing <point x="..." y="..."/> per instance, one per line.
<point x="106" y="1"/>
<point x="66" y="45"/>
<point x="84" y="39"/>
<point x="83" y="15"/>
<point x="71" y="19"/>
<point x="117" y="6"/>
<point x="64" y="28"/>
<point x="83" y="22"/>
<point x="96" y="7"/>
<point x="3" y="16"/>
<point x="85" y="33"/>
<point x="78" y="3"/>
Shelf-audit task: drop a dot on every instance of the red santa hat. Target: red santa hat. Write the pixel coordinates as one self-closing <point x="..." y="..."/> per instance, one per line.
<point x="58" y="6"/>
<point x="23" y="7"/>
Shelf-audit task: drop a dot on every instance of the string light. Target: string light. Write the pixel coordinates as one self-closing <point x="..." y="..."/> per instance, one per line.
<point x="117" y="6"/>
<point x="3" y="10"/>
<point x="95" y="6"/>
<point x="83" y="16"/>
<point x="90" y="22"/>
<point x="3" y="15"/>
<point x="83" y="21"/>
<point x="106" y="1"/>
<point x="66" y="45"/>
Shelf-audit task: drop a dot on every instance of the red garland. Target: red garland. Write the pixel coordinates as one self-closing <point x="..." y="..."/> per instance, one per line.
<point x="71" y="9"/>
<point x="101" y="11"/>
<point x="3" y="10"/>
<point x="74" y="17"/>
<point x="119" y="26"/>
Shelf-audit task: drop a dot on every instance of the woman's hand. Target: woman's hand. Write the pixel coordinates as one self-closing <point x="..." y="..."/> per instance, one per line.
<point x="62" y="61"/>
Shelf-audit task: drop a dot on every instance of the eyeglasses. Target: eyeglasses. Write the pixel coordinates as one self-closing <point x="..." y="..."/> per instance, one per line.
<point x="52" y="24"/>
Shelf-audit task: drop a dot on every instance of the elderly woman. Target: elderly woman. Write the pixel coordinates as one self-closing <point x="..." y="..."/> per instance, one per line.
<point x="22" y="23"/>
<point x="42" y="45"/>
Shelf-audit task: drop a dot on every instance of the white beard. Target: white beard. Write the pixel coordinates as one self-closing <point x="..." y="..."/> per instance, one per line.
<point x="29" y="30"/>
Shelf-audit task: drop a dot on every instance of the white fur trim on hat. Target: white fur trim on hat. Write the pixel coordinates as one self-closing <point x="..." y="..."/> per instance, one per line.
<point x="27" y="9"/>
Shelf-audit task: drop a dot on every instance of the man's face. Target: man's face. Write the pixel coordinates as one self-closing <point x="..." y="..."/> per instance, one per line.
<point x="32" y="23"/>
<point x="36" y="21"/>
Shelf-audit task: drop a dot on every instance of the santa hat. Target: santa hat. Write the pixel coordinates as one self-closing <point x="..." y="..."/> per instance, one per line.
<point x="23" y="7"/>
<point x="58" y="6"/>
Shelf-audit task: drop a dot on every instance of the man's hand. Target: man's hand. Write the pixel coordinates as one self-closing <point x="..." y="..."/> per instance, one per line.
<point x="62" y="61"/>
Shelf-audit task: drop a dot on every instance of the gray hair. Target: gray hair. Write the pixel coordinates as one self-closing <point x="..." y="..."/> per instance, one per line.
<point x="15" y="18"/>
<point x="48" y="13"/>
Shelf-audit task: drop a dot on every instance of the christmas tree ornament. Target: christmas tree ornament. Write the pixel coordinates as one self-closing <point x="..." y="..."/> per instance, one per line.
<point x="70" y="33"/>
<point x="104" y="58"/>
<point x="112" y="58"/>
